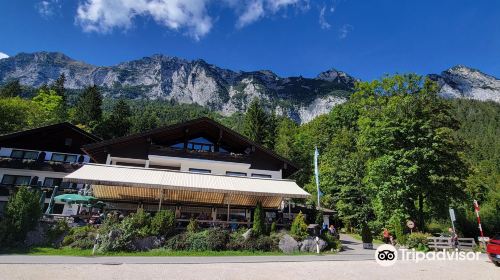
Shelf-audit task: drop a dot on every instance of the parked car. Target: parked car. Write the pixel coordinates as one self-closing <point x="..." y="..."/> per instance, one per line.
<point x="493" y="249"/>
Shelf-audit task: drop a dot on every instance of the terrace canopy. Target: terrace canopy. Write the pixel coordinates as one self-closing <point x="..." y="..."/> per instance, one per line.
<point x="115" y="183"/>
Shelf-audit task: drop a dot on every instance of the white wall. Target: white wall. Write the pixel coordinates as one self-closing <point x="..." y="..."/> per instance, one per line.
<point x="184" y="164"/>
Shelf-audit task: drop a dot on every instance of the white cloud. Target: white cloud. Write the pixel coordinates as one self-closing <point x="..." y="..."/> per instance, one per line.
<point x="3" y="55"/>
<point x="188" y="16"/>
<point x="322" y="20"/>
<point x="256" y="9"/>
<point x="344" y="30"/>
<point x="103" y="16"/>
<point x="48" y="8"/>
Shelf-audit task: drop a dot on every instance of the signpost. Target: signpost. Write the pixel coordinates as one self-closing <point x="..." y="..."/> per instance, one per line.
<point x="453" y="218"/>
<point x="476" y="209"/>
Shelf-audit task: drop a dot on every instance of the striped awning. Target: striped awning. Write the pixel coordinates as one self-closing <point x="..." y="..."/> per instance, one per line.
<point x="135" y="183"/>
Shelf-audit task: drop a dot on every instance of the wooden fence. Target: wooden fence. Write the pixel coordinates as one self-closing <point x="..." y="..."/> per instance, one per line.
<point x="440" y="243"/>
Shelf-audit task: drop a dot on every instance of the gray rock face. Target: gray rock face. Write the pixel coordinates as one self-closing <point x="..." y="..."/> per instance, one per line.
<point x="309" y="245"/>
<point x="36" y="237"/>
<point x="147" y="243"/>
<point x="464" y="82"/>
<point x="288" y="245"/>
<point x="171" y="78"/>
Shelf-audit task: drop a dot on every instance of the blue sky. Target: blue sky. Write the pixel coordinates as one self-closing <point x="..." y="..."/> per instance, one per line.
<point x="367" y="38"/>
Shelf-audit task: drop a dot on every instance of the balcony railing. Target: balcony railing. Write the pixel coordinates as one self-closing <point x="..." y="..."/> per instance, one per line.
<point x="201" y="154"/>
<point x="8" y="189"/>
<point x="45" y="165"/>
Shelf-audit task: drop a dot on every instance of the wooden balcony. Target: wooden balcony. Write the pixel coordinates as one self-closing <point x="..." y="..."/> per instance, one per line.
<point x="200" y="154"/>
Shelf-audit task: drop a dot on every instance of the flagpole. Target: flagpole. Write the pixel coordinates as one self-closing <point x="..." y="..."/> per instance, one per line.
<point x="316" y="172"/>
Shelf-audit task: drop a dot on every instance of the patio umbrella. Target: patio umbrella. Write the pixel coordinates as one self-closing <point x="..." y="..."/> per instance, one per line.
<point x="74" y="198"/>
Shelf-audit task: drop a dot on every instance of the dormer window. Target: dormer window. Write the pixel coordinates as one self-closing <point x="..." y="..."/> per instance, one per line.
<point x="199" y="144"/>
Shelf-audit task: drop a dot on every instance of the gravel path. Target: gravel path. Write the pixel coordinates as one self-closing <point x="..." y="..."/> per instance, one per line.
<point x="481" y="269"/>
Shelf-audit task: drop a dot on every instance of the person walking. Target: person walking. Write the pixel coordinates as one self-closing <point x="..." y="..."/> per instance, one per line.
<point x="387" y="236"/>
<point x="453" y="238"/>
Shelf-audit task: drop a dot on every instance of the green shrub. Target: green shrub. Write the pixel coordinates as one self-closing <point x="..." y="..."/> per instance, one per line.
<point x="299" y="227"/>
<point x="259" y="243"/>
<point x="332" y="242"/>
<point x="217" y="239"/>
<point x="80" y="237"/>
<point x="397" y="226"/>
<point x="136" y="224"/>
<point x="177" y="242"/>
<point x="197" y="241"/>
<point x="258" y="220"/>
<point x="417" y="240"/>
<point x="163" y="223"/>
<point x="21" y="216"/>
<point x="273" y="227"/>
<point x="366" y="234"/>
<point x="192" y="227"/>
<point x="437" y="226"/>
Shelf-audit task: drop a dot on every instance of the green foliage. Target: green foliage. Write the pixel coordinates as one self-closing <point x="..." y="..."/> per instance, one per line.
<point x="163" y="223"/>
<point x="56" y="230"/>
<point x="117" y="123"/>
<point x="273" y="227"/>
<point x="192" y="227"/>
<point x="366" y="234"/>
<point x="51" y="105"/>
<point x="80" y="237"/>
<point x="88" y="109"/>
<point x="417" y="240"/>
<point x="258" y="227"/>
<point x="259" y="126"/>
<point x="136" y="224"/>
<point x="217" y="239"/>
<point x="11" y="89"/>
<point x="332" y="242"/>
<point x="299" y="227"/>
<point x="21" y="216"/>
<point x="397" y="226"/>
<point x="19" y="114"/>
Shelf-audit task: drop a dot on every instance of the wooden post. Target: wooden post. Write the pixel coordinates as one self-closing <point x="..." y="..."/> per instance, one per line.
<point x="228" y="211"/>
<point x="161" y="199"/>
<point x="289" y="212"/>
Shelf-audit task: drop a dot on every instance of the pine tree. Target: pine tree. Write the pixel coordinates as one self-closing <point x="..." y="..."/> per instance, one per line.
<point x="255" y="124"/>
<point x="88" y="108"/>
<point x="58" y="87"/>
<point x="118" y="123"/>
<point x="258" y="220"/>
<point x="11" y="89"/>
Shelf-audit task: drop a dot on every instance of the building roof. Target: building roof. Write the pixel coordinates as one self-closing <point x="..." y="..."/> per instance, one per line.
<point x="150" y="178"/>
<point x="197" y="127"/>
<point x="50" y="138"/>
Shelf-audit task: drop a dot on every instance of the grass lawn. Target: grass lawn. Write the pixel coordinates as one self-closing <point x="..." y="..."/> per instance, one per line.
<point x="358" y="237"/>
<point x="66" y="251"/>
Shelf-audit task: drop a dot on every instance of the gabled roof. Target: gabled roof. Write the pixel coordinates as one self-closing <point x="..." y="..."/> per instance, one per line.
<point x="32" y="131"/>
<point x="203" y="125"/>
<point x="34" y="138"/>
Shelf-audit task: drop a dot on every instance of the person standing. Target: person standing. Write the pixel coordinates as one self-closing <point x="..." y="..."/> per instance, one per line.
<point x="387" y="236"/>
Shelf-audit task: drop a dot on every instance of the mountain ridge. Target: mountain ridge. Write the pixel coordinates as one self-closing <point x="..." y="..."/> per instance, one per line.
<point x="227" y="91"/>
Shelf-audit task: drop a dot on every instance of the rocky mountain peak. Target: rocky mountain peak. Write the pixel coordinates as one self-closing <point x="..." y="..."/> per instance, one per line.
<point x="334" y="75"/>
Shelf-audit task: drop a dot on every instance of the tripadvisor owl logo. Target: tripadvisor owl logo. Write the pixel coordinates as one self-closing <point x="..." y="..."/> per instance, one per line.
<point x="386" y="255"/>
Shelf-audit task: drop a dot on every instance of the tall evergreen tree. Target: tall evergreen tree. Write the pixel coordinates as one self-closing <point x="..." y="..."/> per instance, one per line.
<point x="11" y="89"/>
<point x="118" y="123"/>
<point x="58" y="87"/>
<point x="255" y="124"/>
<point x="88" y="108"/>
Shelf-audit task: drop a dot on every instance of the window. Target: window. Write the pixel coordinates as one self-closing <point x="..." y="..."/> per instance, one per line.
<point x="257" y="175"/>
<point x="20" y="154"/>
<point x="52" y="182"/>
<point x="197" y="170"/>
<point x="233" y="173"/>
<point x="64" y="157"/>
<point x="16" y="180"/>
